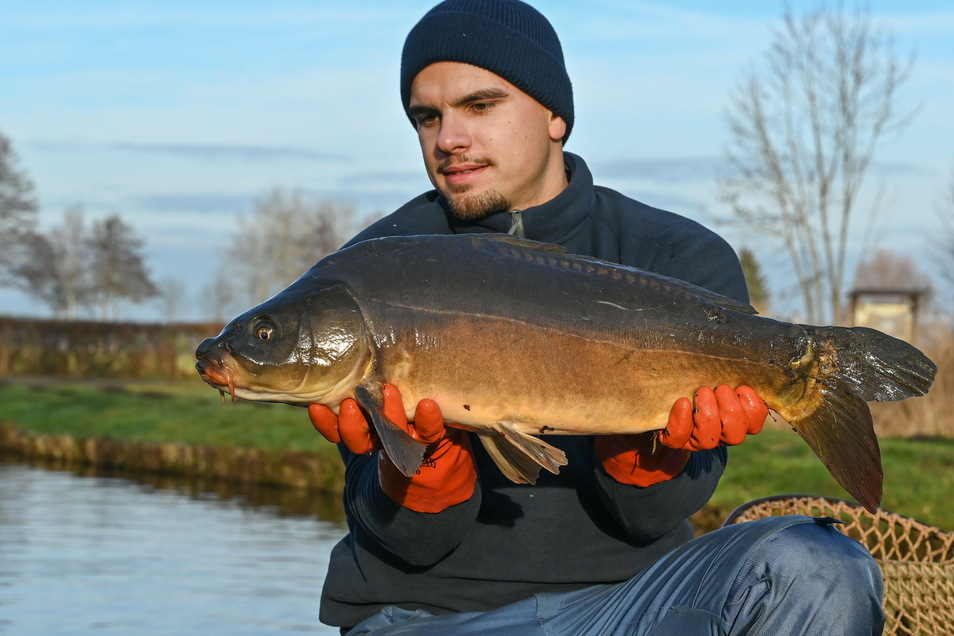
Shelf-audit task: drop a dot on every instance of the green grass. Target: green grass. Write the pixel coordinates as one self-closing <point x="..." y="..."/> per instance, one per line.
<point x="170" y="412"/>
<point x="919" y="474"/>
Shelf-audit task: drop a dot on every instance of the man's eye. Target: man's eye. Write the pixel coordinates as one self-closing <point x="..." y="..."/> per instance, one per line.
<point x="425" y="120"/>
<point x="482" y="107"/>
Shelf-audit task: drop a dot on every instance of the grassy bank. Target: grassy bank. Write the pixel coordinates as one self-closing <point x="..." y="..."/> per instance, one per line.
<point x="166" y="428"/>
<point x="919" y="473"/>
<point x="156" y="412"/>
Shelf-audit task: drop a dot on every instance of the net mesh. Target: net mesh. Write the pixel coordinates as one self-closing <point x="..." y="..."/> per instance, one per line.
<point x="916" y="560"/>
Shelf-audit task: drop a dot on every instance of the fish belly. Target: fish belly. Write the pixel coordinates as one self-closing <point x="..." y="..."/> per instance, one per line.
<point x="547" y="381"/>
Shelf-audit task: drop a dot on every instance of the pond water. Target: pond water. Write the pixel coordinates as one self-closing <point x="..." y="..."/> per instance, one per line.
<point x="106" y="555"/>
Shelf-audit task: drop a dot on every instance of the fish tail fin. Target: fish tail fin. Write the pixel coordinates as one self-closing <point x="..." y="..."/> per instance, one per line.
<point x="404" y="451"/>
<point x="841" y="433"/>
<point x="855" y="365"/>
<point x="520" y="456"/>
<point x="878" y="367"/>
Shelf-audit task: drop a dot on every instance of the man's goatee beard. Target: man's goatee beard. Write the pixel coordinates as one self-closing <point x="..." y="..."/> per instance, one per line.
<point x="479" y="206"/>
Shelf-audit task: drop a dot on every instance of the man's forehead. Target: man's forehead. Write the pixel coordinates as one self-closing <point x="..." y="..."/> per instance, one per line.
<point x="448" y="81"/>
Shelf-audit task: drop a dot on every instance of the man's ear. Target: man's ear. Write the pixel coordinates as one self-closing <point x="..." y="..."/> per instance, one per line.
<point x="557" y="127"/>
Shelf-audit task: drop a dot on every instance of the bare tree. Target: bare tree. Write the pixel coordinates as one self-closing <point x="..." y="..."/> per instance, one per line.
<point x="804" y="127"/>
<point x="886" y="270"/>
<point x="36" y="272"/>
<point x="17" y="212"/>
<point x="171" y="297"/>
<point x="54" y="268"/>
<point x="72" y="256"/>
<point x="943" y="244"/>
<point x="754" y="280"/>
<point x="117" y="268"/>
<point x="285" y="234"/>
<point x="218" y="297"/>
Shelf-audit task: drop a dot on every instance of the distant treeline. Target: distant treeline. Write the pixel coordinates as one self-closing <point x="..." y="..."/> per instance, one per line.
<point x="88" y="349"/>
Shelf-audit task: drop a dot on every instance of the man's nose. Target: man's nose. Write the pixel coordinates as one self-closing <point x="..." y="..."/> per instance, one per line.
<point x="454" y="135"/>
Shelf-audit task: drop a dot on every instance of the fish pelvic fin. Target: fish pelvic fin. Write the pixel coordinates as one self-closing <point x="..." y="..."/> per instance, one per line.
<point x="403" y="450"/>
<point x="520" y="456"/>
<point x="853" y="366"/>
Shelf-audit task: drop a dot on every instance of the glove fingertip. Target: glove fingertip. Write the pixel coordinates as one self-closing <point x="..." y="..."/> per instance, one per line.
<point x="394" y="406"/>
<point x="679" y="427"/>
<point x="756" y="410"/>
<point x="354" y="429"/>
<point x="734" y="434"/>
<point x="429" y="421"/>
<point x="324" y="421"/>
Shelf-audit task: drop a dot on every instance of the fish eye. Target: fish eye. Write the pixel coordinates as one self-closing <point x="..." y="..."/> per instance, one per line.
<point x="264" y="330"/>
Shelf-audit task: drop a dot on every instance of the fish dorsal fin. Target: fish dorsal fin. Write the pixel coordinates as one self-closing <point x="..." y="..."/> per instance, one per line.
<point x="551" y="248"/>
<point x="406" y="452"/>
<point x="518" y="241"/>
<point x="717" y="299"/>
<point x="520" y="456"/>
<point x="706" y="295"/>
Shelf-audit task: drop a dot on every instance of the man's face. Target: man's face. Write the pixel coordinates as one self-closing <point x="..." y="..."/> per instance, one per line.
<point x="488" y="146"/>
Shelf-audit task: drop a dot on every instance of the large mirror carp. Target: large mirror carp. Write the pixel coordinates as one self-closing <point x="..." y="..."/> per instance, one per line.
<point x="515" y="339"/>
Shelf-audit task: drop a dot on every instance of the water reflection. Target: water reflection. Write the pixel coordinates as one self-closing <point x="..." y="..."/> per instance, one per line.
<point x="107" y="555"/>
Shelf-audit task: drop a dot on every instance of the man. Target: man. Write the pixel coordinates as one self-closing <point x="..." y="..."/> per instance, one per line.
<point x="604" y="547"/>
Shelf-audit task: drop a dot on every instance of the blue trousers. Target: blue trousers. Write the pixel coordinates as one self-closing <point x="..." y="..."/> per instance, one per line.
<point x="778" y="576"/>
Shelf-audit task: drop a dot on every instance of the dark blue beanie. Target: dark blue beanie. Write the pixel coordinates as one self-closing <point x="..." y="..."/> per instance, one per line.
<point x="506" y="37"/>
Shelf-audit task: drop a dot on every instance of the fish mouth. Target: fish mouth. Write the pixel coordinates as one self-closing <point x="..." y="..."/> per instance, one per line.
<point x="217" y="375"/>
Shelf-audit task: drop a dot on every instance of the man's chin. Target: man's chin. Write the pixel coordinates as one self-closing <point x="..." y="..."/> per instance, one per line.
<point x="476" y="207"/>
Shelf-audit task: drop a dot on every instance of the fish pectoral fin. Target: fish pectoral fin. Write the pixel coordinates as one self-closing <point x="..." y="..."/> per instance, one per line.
<point x="403" y="450"/>
<point x="520" y="456"/>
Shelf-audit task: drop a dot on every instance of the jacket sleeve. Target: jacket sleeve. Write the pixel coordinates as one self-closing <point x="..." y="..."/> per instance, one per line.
<point x="416" y="538"/>
<point x="651" y="512"/>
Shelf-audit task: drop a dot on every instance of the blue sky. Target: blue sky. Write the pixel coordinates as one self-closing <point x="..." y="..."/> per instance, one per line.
<point x="177" y="115"/>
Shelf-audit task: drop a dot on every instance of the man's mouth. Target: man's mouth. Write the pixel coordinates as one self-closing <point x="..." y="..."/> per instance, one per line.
<point x="462" y="174"/>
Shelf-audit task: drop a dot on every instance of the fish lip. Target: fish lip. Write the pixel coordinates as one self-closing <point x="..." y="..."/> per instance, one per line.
<point x="217" y="375"/>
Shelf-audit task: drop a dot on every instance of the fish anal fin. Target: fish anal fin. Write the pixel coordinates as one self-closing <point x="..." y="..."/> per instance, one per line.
<point x="520" y="456"/>
<point x="406" y="452"/>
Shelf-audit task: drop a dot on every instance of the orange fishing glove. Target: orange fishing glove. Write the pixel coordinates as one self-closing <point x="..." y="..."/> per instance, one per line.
<point x="446" y="478"/>
<point x="721" y="417"/>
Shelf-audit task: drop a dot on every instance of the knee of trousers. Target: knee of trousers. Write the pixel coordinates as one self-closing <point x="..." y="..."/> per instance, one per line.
<point x="813" y="561"/>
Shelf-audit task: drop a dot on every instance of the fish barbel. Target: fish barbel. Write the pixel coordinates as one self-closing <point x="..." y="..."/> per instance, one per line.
<point x="516" y="339"/>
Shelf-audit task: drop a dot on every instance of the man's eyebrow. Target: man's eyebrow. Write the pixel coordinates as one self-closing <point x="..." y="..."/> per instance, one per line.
<point x="476" y="96"/>
<point x="480" y="95"/>
<point x="420" y="110"/>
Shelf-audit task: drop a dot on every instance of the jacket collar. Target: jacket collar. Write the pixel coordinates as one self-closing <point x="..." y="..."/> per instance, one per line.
<point x="555" y="221"/>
